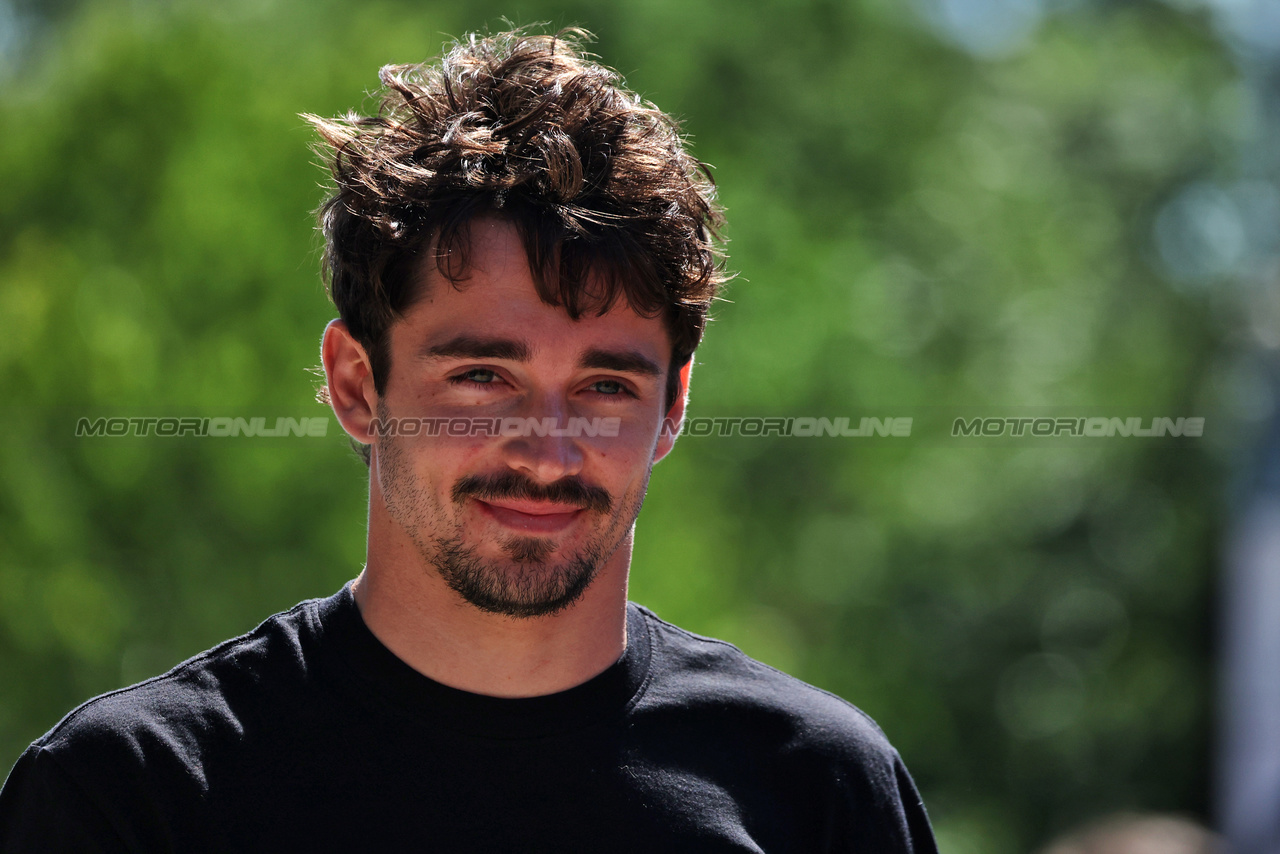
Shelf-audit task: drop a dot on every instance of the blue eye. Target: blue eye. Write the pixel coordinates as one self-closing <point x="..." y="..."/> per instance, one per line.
<point x="610" y="387"/>
<point x="479" y="376"/>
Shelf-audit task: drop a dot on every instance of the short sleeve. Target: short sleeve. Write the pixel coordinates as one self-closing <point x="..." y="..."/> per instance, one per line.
<point x="43" y="809"/>
<point x="918" y="832"/>
<point x="883" y="811"/>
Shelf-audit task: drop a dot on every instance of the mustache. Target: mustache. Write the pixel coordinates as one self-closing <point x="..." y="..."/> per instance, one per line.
<point x="570" y="490"/>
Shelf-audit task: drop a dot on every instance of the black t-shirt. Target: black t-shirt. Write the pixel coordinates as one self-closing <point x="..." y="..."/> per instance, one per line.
<point x="307" y="734"/>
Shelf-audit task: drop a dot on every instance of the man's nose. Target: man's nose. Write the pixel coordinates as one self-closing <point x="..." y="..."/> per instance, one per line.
<point x="544" y="448"/>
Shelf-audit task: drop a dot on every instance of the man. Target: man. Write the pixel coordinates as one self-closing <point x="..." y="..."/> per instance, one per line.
<point x="521" y="253"/>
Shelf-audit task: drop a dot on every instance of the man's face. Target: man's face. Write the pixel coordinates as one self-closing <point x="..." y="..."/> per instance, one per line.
<point x="518" y="523"/>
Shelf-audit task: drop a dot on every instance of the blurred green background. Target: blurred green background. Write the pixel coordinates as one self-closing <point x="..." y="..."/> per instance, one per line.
<point x="925" y="212"/>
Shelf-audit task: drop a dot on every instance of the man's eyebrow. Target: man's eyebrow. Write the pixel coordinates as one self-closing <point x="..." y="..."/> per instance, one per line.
<point x="628" y="361"/>
<point x="471" y="347"/>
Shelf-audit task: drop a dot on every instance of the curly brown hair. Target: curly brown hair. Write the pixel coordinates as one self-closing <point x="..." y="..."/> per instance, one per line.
<point x="526" y="127"/>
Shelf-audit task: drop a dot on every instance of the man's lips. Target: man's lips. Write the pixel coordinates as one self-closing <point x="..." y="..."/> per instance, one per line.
<point x="539" y="517"/>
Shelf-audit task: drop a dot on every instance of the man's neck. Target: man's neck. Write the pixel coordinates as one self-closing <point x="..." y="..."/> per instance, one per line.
<point x="410" y="609"/>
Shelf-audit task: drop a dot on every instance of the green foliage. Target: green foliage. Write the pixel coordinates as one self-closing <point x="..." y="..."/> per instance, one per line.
<point x="914" y="230"/>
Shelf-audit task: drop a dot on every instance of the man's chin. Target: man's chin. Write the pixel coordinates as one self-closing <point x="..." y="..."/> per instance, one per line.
<point x="524" y="604"/>
<point x="522" y="581"/>
<point x="533" y="551"/>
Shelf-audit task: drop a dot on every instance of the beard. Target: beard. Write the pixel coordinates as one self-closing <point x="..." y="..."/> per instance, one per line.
<point x="534" y="579"/>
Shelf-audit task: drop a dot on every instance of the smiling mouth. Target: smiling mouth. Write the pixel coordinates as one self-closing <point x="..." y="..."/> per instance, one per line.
<point x="533" y="517"/>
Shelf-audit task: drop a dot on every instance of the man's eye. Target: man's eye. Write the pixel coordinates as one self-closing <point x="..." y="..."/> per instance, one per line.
<point x="479" y="376"/>
<point x="608" y="387"/>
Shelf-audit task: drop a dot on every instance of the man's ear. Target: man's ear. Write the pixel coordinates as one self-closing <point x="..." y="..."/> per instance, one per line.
<point x="348" y="377"/>
<point x="674" y="419"/>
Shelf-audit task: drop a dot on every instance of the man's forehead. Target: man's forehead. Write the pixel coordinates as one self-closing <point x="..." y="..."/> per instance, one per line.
<point x="490" y="248"/>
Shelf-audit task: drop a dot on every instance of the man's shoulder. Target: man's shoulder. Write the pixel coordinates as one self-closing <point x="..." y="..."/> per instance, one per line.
<point x="787" y="749"/>
<point x="125" y="769"/>
<point x="700" y="674"/>
<point x="199" y="699"/>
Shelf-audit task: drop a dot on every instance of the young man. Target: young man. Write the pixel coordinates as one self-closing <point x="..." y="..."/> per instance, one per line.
<point x="521" y="253"/>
